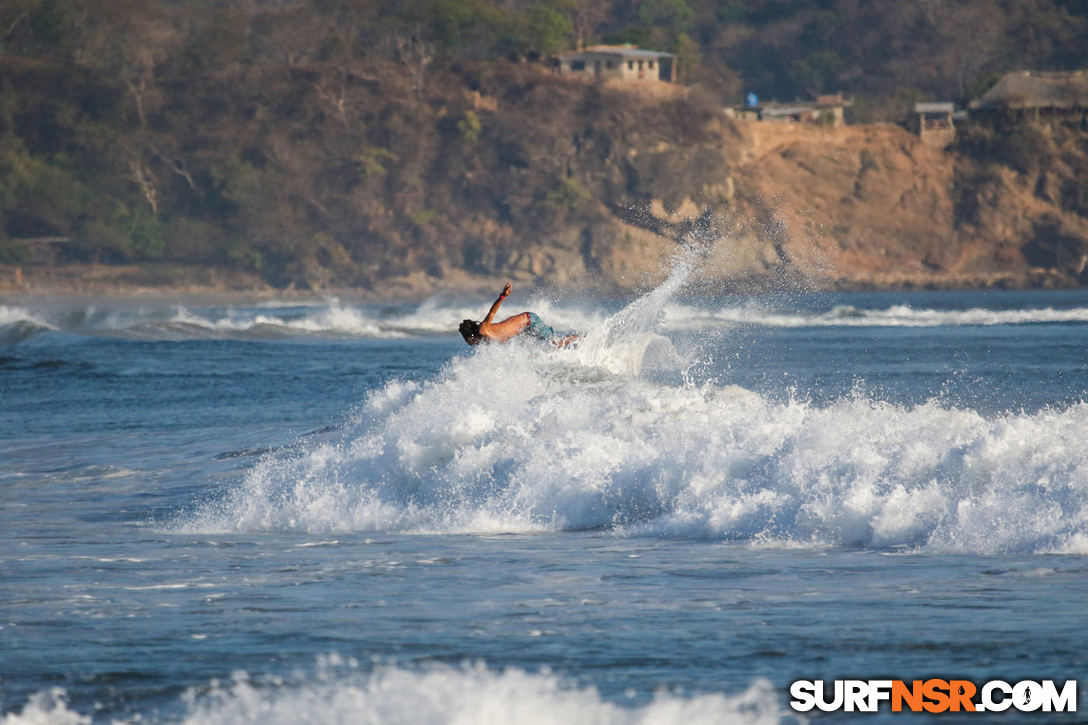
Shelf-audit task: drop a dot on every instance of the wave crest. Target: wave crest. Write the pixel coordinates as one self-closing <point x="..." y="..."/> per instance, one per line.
<point x="688" y="317"/>
<point x="518" y="438"/>
<point x="514" y="439"/>
<point x="18" y="324"/>
<point x="434" y="695"/>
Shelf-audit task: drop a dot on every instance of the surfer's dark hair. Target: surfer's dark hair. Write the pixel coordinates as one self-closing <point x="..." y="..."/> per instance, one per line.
<point x="470" y="330"/>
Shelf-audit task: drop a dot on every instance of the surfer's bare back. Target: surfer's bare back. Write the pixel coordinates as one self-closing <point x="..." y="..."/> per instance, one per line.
<point x="523" y="323"/>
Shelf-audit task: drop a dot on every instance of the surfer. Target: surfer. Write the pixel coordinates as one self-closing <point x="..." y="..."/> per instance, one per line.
<point x="523" y="323"/>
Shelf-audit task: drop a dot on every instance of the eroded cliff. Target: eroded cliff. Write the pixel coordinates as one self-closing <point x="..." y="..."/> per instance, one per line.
<point x="874" y="206"/>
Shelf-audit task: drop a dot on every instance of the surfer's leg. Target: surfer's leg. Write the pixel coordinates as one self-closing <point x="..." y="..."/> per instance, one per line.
<point x="566" y="341"/>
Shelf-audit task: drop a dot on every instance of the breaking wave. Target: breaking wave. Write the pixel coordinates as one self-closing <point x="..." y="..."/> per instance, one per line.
<point x="333" y="318"/>
<point x="689" y="317"/>
<point x="18" y="324"/>
<point x="519" y="438"/>
<point x="329" y="319"/>
<point x="434" y="695"/>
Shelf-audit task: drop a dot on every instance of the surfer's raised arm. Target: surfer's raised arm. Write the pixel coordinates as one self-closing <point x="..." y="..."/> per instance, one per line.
<point x="495" y="307"/>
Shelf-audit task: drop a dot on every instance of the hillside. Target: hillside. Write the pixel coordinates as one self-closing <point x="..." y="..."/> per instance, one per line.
<point x="393" y="148"/>
<point x="345" y="177"/>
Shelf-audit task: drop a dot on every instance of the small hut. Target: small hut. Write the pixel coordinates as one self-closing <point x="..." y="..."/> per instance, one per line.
<point x="620" y="62"/>
<point x="934" y="122"/>
<point x="826" y="110"/>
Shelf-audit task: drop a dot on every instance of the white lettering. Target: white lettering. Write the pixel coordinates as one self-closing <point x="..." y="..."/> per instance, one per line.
<point x="855" y="695"/>
<point x="803" y="694"/>
<point x="988" y="702"/>
<point x="879" y="690"/>
<point x="1065" y="701"/>
<point x="821" y="701"/>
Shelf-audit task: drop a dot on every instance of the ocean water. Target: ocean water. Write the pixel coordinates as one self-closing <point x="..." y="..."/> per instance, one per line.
<point x="335" y="512"/>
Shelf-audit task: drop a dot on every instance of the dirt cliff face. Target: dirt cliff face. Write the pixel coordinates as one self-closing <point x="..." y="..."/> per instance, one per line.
<point x="853" y="205"/>
<point x="875" y="206"/>
<point x="1022" y="196"/>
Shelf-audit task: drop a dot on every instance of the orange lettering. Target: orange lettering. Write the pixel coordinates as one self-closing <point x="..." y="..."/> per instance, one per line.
<point x="935" y="690"/>
<point x="961" y="693"/>
<point x="912" y="696"/>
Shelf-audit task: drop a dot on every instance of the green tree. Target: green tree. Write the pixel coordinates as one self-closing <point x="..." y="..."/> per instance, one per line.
<point x="817" y="72"/>
<point x="585" y="17"/>
<point x="39" y="196"/>
<point x="688" y="57"/>
<point x="542" y="29"/>
<point x="674" y="16"/>
<point x="469" y="127"/>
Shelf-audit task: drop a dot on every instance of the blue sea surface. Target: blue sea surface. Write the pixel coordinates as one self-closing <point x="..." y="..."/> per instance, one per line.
<point x="334" y="511"/>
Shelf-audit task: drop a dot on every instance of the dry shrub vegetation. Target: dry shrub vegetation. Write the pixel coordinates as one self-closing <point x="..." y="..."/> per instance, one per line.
<point x="345" y="143"/>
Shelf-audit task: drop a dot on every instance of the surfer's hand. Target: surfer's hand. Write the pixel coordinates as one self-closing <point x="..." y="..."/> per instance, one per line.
<point x="505" y="290"/>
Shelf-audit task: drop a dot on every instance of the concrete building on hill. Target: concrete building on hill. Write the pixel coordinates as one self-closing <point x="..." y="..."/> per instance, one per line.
<point x="619" y="62"/>
<point x="1053" y="92"/>
<point x="934" y="123"/>
<point x="827" y="110"/>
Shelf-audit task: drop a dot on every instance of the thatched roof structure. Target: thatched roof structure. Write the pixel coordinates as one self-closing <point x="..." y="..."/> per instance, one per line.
<point x="1065" y="90"/>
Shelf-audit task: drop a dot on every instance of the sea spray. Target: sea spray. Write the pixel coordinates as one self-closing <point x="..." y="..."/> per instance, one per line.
<point x="433" y="695"/>
<point x="439" y="695"/>
<point x="621" y="342"/>
<point x="521" y="437"/>
<point x="659" y="311"/>
<point x="18" y="324"/>
<point x="850" y="316"/>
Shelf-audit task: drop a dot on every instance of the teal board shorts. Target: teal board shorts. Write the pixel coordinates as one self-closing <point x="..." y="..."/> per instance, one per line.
<point x="538" y="329"/>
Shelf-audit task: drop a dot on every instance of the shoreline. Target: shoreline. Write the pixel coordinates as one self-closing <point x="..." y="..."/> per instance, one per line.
<point x="214" y="285"/>
<point x="218" y="286"/>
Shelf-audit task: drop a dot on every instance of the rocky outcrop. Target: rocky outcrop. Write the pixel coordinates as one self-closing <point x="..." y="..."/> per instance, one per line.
<point x="873" y="206"/>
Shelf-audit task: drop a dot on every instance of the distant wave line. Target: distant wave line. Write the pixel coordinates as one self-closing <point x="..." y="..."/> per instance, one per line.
<point x="895" y="316"/>
<point x="433" y="318"/>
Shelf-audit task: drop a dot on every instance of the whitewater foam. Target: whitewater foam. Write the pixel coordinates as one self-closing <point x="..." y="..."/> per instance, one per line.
<point x="438" y="694"/>
<point x="520" y="438"/>
<point x="332" y="318"/>
<point x="18" y="324"/>
<point x="694" y="318"/>
<point x="634" y="325"/>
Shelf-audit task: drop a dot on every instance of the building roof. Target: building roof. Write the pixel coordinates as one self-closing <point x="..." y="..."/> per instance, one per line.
<point x="783" y="109"/>
<point x="774" y="108"/>
<point x="1037" y="89"/>
<point x="938" y="107"/>
<point x="624" y="51"/>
